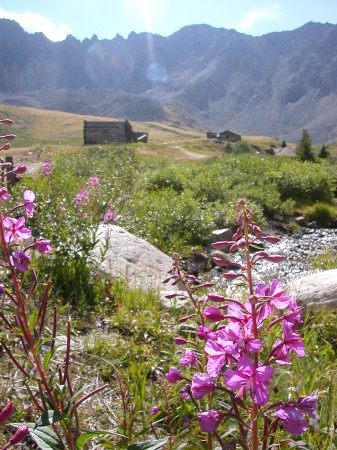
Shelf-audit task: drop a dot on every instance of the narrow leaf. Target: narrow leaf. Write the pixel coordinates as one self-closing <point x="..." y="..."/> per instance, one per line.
<point x="84" y="438"/>
<point x="148" y="445"/>
<point x="48" y="418"/>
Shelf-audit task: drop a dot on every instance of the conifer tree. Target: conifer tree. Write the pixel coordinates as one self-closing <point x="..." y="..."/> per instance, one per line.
<point x="304" y="148"/>
<point x="323" y="152"/>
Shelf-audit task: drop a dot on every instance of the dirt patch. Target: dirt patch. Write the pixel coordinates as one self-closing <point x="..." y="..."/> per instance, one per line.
<point x="191" y="155"/>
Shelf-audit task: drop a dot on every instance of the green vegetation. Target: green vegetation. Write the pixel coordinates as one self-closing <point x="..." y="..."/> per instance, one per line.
<point x="125" y="337"/>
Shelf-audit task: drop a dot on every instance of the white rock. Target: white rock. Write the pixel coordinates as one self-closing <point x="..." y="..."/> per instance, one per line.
<point x="141" y="264"/>
<point x="318" y="290"/>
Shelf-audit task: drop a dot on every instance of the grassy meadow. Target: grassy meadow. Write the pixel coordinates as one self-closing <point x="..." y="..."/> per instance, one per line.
<point x="172" y="192"/>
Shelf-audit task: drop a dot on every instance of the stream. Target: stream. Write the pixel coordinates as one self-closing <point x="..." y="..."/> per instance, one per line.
<point x="298" y="248"/>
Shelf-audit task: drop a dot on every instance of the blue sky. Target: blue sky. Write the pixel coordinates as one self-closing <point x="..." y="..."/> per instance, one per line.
<point x="106" y="18"/>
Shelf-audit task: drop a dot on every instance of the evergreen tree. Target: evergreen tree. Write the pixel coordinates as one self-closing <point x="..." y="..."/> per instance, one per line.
<point x="284" y="144"/>
<point x="323" y="152"/>
<point x="304" y="148"/>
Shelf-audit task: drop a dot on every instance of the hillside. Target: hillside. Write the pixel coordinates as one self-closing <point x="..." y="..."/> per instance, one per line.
<point x="201" y="77"/>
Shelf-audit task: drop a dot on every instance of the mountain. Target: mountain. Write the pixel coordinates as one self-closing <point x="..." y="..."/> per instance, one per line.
<point x="211" y="78"/>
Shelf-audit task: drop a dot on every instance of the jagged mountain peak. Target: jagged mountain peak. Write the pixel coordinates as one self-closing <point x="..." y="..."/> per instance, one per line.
<point x="276" y="84"/>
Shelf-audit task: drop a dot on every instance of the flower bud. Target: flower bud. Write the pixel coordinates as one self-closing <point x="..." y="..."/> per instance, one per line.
<point x="272" y="239"/>
<point x="7" y="412"/>
<point x="212" y="314"/>
<point x="21" y="169"/>
<point x="275" y="258"/>
<point x="180" y="341"/>
<point x="222" y="244"/>
<point x="216" y="298"/>
<point x="221" y="262"/>
<point x="6" y="146"/>
<point x="6" y="121"/>
<point x="20" y="434"/>
<point x="8" y="137"/>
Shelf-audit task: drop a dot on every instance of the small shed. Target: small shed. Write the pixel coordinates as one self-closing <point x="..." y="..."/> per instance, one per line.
<point x="229" y="136"/>
<point x="211" y="135"/>
<point x="105" y="132"/>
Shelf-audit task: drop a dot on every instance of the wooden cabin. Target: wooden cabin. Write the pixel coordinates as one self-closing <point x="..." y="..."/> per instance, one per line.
<point x="229" y="136"/>
<point x="119" y="131"/>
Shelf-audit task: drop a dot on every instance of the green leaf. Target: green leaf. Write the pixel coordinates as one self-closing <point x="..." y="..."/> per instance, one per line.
<point x="74" y="397"/>
<point x="48" y="418"/>
<point x="47" y="358"/>
<point x="84" y="438"/>
<point x="149" y="445"/>
<point x="32" y="319"/>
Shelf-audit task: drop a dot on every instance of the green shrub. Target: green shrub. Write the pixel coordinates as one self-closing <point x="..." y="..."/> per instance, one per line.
<point x="304" y="182"/>
<point x="321" y="213"/>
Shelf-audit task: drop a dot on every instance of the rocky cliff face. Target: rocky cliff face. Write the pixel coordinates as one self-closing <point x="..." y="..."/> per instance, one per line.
<point x="276" y="84"/>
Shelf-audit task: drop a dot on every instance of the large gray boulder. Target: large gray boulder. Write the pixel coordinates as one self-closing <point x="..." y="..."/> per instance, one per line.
<point x="317" y="290"/>
<point x="141" y="264"/>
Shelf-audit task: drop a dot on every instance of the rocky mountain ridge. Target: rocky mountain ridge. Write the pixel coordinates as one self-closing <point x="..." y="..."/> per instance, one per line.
<point x="211" y="78"/>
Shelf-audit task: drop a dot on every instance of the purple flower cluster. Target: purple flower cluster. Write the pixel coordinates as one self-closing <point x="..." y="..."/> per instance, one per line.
<point x="15" y="232"/>
<point x="229" y="359"/>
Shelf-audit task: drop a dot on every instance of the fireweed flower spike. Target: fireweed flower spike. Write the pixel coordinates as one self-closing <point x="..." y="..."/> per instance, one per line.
<point x="47" y="168"/>
<point x="229" y="348"/>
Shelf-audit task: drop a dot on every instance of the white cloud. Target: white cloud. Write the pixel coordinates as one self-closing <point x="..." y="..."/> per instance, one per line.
<point x="259" y="14"/>
<point x="32" y="23"/>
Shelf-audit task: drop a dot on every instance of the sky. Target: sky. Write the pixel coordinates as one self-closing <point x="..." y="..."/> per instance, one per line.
<point x="107" y="18"/>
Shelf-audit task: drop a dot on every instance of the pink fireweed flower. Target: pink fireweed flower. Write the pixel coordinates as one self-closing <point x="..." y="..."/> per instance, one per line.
<point x="21" y="169"/>
<point x="291" y="342"/>
<point x="210" y="420"/>
<point x="174" y="375"/>
<point x="202" y="385"/>
<point x="28" y="201"/>
<point x="47" y="168"/>
<point x="204" y="333"/>
<point x="43" y="245"/>
<point x="3" y="194"/>
<point x="110" y="216"/>
<point x="7" y="412"/>
<point x="293" y="419"/>
<point x="219" y="352"/>
<point x="93" y="181"/>
<point x="292" y="413"/>
<point x="274" y="295"/>
<point x="155" y="410"/>
<point x="2" y="291"/>
<point x="189" y="359"/>
<point x="246" y="377"/>
<point x="82" y="198"/>
<point x="15" y="229"/>
<point x="243" y="338"/>
<point x="21" y="261"/>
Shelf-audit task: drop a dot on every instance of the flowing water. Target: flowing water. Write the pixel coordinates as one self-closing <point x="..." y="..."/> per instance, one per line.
<point x="298" y="248"/>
